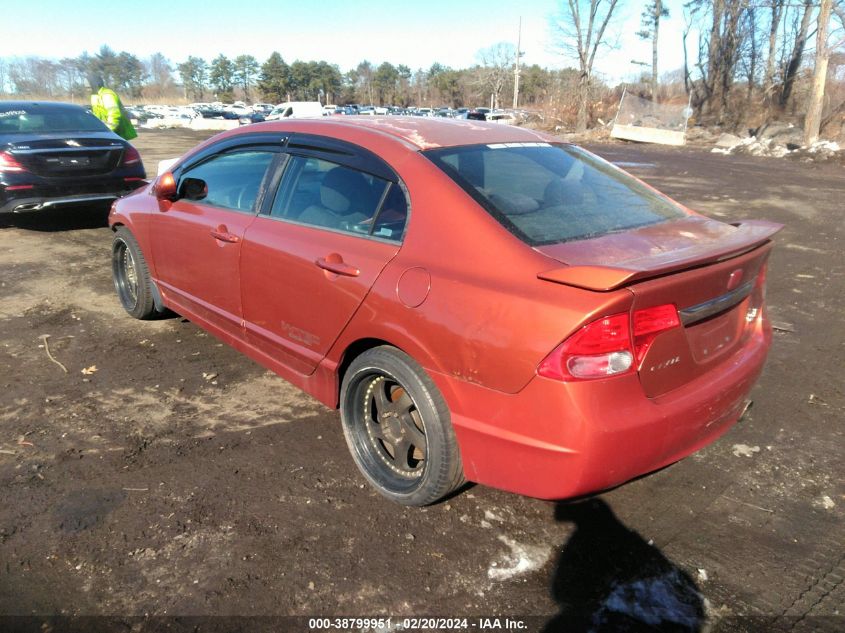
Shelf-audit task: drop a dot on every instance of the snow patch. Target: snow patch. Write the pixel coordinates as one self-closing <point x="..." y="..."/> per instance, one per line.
<point x="775" y="147"/>
<point x="744" y="450"/>
<point x="825" y="502"/>
<point x="520" y="560"/>
<point x="492" y="516"/>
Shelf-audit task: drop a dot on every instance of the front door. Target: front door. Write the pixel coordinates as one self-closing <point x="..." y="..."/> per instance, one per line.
<point x="200" y="236"/>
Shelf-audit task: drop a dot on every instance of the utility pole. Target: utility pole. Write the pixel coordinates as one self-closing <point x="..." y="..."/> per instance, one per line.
<point x="516" y="67"/>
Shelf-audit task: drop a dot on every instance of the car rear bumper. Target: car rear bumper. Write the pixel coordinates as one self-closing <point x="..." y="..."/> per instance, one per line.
<point x="37" y="199"/>
<point x="555" y="440"/>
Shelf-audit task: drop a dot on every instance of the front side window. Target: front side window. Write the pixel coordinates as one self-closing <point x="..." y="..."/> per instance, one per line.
<point x="230" y="180"/>
<point x="324" y="194"/>
<point x="546" y="194"/>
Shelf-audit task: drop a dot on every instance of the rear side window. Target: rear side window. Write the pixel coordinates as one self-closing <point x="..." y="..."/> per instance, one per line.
<point x="324" y="194"/>
<point x="546" y="194"/>
<point x="230" y="180"/>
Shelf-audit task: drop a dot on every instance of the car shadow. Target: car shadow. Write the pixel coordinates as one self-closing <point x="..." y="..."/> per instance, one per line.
<point x="58" y="220"/>
<point x="608" y="578"/>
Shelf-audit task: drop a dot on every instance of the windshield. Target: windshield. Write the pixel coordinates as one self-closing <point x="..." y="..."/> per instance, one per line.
<point x="545" y="194"/>
<point x="23" y="118"/>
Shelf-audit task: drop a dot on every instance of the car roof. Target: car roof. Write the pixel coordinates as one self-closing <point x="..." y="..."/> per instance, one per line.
<point x="434" y="133"/>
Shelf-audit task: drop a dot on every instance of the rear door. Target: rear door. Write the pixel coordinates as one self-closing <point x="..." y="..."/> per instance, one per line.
<point x="198" y="238"/>
<point x="315" y="250"/>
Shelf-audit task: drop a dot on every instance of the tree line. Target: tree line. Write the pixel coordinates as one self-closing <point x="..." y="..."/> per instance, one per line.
<point x="745" y="62"/>
<point x="274" y="80"/>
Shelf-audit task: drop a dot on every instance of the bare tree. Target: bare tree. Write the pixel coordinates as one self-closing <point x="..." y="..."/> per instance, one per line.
<point x="580" y="27"/>
<point x="750" y="53"/>
<point x="719" y="49"/>
<point x="730" y="41"/>
<point x="160" y="72"/>
<point x="815" y="104"/>
<point x="651" y="30"/>
<point x="71" y="72"/>
<point x="777" y="14"/>
<point x="496" y="68"/>
<point x="797" y="54"/>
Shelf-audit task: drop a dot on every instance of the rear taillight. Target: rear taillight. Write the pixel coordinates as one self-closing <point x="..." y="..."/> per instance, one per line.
<point x="609" y="346"/>
<point x="599" y="349"/>
<point x="9" y="163"/>
<point x="130" y="156"/>
<point x="758" y="296"/>
<point x="650" y="322"/>
<point x="760" y="282"/>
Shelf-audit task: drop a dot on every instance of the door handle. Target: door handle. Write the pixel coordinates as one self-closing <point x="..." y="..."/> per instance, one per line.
<point x="334" y="264"/>
<point x="222" y="233"/>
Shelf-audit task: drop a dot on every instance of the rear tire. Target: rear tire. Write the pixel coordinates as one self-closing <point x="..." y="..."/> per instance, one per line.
<point x="131" y="276"/>
<point x="398" y="428"/>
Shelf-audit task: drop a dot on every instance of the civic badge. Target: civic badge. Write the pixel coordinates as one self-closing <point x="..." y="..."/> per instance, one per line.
<point x="72" y="143"/>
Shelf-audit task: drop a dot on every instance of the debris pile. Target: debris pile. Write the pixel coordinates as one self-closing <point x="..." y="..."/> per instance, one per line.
<point x="777" y="141"/>
<point x="753" y="146"/>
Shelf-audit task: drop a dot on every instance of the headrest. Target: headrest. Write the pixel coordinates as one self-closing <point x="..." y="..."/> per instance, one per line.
<point x="343" y="191"/>
<point x="514" y="203"/>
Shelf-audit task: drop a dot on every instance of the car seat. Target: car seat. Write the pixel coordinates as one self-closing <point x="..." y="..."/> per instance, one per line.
<point x="344" y="195"/>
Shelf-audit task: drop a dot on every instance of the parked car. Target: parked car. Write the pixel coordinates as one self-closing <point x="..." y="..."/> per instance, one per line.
<point x="296" y="110"/>
<point x="254" y="117"/>
<point x="481" y="301"/>
<point x="238" y="109"/>
<point x="58" y="155"/>
<point x="502" y="117"/>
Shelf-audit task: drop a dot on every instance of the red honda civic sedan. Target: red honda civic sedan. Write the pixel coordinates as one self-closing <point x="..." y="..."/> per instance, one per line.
<point x="481" y="302"/>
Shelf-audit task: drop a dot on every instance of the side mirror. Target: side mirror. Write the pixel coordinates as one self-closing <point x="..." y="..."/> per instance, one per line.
<point x="165" y="187"/>
<point x="193" y="189"/>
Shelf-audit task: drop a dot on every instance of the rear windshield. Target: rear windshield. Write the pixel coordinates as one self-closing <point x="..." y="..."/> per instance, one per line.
<point x="23" y="119"/>
<point x="545" y="194"/>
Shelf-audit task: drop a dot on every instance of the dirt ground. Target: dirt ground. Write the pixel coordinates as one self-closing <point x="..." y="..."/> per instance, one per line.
<point x="164" y="474"/>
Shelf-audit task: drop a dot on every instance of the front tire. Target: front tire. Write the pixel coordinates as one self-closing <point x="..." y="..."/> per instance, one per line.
<point x="131" y="276"/>
<point x="398" y="428"/>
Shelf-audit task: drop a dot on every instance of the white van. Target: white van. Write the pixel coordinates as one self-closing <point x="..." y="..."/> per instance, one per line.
<point x="296" y="110"/>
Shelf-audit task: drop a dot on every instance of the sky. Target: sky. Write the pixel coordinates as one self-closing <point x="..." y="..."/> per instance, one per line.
<point x="416" y="34"/>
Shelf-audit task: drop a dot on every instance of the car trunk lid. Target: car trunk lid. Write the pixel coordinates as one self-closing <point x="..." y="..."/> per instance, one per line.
<point x="67" y="155"/>
<point x="710" y="271"/>
<point x="618" y="259"/>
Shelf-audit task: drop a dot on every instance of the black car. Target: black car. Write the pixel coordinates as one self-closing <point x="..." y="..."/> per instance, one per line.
<point x="58" y="154"/>
<point x="252" y="117"/>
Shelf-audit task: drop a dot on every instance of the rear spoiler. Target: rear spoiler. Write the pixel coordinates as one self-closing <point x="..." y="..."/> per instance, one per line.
<point x="750" y="234"/>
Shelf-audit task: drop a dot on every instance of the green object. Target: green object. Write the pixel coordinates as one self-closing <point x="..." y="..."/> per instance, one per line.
<point x="106" y="106"/>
